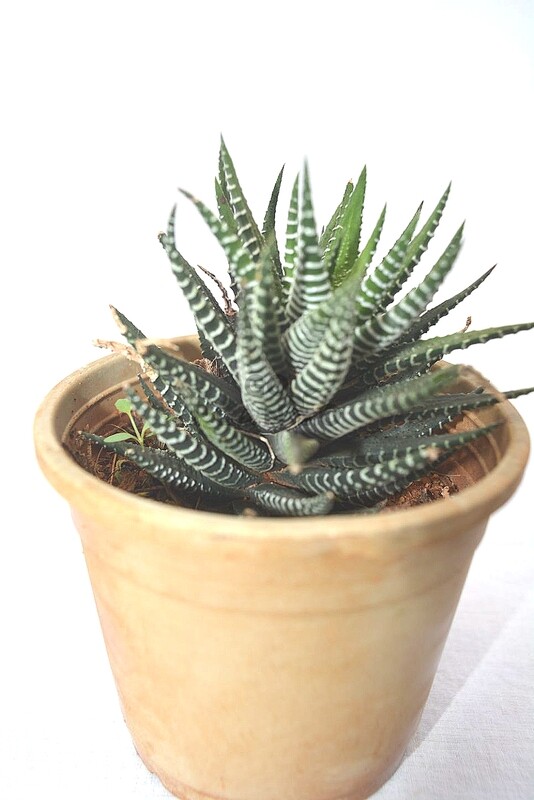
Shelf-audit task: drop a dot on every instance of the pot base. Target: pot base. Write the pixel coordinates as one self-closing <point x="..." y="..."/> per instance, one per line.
<point x="363" y="791"/>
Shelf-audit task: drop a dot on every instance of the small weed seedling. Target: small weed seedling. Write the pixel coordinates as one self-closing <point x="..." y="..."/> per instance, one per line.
<point x="124" y="405"/>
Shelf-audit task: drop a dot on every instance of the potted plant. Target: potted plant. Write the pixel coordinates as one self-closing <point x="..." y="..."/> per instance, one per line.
<point x="275" y="628"/>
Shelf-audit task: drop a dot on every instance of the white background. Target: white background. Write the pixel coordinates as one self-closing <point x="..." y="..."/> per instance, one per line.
<point x="107" y="108"/>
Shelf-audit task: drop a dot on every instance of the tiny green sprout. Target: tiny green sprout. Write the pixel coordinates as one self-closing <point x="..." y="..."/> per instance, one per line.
<point x="124" y="405"/>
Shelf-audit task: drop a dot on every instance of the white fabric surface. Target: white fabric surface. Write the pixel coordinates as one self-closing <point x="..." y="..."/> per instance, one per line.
<point x="476" y="737"/>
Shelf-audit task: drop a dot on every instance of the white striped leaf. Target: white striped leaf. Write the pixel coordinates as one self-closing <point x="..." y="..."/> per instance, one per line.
<point x="433" y="315"/>
<point x="243" y="269"/>
<point x="377" y="448"/>
<point x="249" y="451"/>
<point x="421" y="355"/>
<point x="266" y="312"/>
<point x="241" y="264"/>
<point x="137" y="339"/>
<point x="414" y="252"/>
<point x="381" y="331"/>
<point x="379" y="403"/>
<point x="263" y="395"/>
<point x="448" y="407"/>
<point x="247" y="229"/>
<point x="209" y="316"/>
<point x="378" y="281"/>
<point x="304" y="336"/>
<point x="228" y="224"/>
<point x="165" y="467"/>
<point x="319" y="380"/>
<point x="269" y="225"/>
<point x="213" y="390"/>
<point x="291" y="241"/>
<point x="311" y="281"/>
<point x="365" y="485"/>
<point x="178" y="406"/>
<point x="199" y="454"/>
<point x="283" y="501"/>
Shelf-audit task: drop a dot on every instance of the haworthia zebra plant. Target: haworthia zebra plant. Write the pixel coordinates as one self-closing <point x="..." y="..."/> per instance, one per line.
<point x="317" y="392"/>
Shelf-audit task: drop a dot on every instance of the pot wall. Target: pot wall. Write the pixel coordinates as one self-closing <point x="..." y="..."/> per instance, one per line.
<point x="272" y="659"/>
<point x="266" y="672"/>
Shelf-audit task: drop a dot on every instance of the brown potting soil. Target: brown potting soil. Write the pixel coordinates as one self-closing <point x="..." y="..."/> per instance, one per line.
<point x="119" y="471"/>
<point x="115" y="469"/>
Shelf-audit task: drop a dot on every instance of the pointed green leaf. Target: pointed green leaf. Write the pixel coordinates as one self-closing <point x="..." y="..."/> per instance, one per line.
<point x="311" y="281"/>
<point x="316" y="384"/>
<point x="376" y="447"/>
<point x="249" y="451"/>
<point x="199" y="454"/>
<point x="420" y="355"/>
<point x="431" y="317"/>
<point x="266" y="312"/>
<point x="247" y="230"/>
<point x="263" y="395"/>
<point x="241" y="264"/>
<point x="360" y="266"/>
<point x="282" y="501"/>
<point x="209" y="317"/>
<point x="378" y="403"/>
<point x="350" y="225"/>
<point x="291" y="244"/>
<point x="164" y="466"/>
<point x="332" y="232"/>
<point x="269" y="224"/>
<point x="382" y="330"/>
<point x="375" y="284"/>
<point x="414" y="252"/>
<point x="208" y="387"/>
<point x="365" y="485"/>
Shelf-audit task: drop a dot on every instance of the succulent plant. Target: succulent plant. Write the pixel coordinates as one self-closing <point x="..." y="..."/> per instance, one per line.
<point x="316" y="391"/>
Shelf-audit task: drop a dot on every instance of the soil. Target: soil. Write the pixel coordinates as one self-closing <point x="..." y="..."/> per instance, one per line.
<point x="432" y="487"/>
<point x="116" y="470"/>
<point x="120" y="472"/>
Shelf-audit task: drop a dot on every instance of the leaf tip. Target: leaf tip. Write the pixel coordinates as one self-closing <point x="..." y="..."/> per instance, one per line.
<point x="118" y="319"/>
<point x="187" y="194"/>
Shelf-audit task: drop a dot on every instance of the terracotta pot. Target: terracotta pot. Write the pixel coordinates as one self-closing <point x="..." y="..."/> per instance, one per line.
<point x="272" y="659"/>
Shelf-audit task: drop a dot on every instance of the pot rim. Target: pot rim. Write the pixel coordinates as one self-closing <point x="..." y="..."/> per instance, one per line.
<point x="89" y="494"/>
